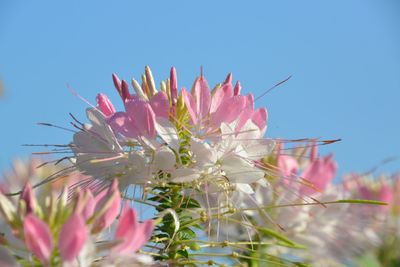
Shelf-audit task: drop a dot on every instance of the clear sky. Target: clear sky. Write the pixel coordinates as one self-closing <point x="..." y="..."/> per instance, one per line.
<point x="344" y="56"/>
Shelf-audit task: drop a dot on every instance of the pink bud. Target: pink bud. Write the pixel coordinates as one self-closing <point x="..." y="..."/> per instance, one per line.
<point x="105" y="105"/>
<point x="117" y="82"/>
<point x="29" y="197"/>
<point x="125" y="90"/>
<point x="73" y="236"/>
<point x="132" y="234"/>
<point x="108" y="203"/>
<point x="237" y="88"/>
<point x="228" y="79"/>
<point x="85" y="204"/>
<point x="38" y="237"/>
<point x="173" y="81"/>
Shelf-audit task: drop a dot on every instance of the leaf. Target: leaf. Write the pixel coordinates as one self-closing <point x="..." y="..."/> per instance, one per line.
<point x="280" y="237"/>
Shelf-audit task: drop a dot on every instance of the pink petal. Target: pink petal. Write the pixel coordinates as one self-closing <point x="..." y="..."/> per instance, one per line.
<point x="247" y="112"/>
<point x="190" y="105"/>
<point x="121" y="123"/>
<point x="38" y="237"/>
<point x="385" y="194"/>
<point x="85" y="204"/>
<point x="105" y="105"/>
<point x="160" y="104"/>
<point x="223" y="93"/>
<point x="260" y="117"/>
<point x="142" y="115"/>
<point x="228" y="110"/>
<point x="133" y="235"/>
<point x="288" y="166"/>
<point x="320" y="172"/>
<point x="109" y="202"/>
<point x="73" y="236"/>
<point x="243" y="118"/>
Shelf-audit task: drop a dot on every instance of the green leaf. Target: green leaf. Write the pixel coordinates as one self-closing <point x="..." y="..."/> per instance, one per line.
<point x="280" y="237"/>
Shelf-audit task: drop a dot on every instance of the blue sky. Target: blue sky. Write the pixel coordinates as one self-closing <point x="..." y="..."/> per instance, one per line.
<point x="344" y="57"/>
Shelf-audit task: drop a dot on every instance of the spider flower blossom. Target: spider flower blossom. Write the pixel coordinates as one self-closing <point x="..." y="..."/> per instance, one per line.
<point x="332" y="234"/>
<point x="202" y="137"/>
<point x="61" y="231"/>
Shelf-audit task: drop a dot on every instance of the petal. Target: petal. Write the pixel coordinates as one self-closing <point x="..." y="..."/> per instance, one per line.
<point x="108" y="203"/>
<point x="85" y="204"/>
<point x="142" y="114"/>
<point x="160" y="105"/>
<point x="260" y="117"/>
<point x="73" y="236"/>
<point x="239" y="170"/>
<point x="164" y="159"/>
<point x="288" y="166"/>
<point x="38" y="237"/>
<point x="221" y="94"/>
<point x="132" y="234"/>
<point x="122" y="124"/>
<point x="320" y="172"/>
<point x="228" y="110"/>
<point x="184" y="175"/>
<point x="190" y="105"/>
<point x="166" y="130"/>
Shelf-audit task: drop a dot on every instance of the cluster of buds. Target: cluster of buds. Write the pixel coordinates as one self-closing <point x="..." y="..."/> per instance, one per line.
<point x="71" y="231"/>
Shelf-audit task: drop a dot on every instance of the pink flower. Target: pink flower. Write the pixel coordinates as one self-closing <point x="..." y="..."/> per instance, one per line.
<point x="85" y="204"/>
<point x="108" y="203"/>
<point x="132" y="234"/>
<point x="320" y="172"/>
<point x="38" y="237"/>
<point x="73" y="236"/>
<point x="140" y="114"/>
<point x="383" y="193"/>
<point x="208" y="112"/>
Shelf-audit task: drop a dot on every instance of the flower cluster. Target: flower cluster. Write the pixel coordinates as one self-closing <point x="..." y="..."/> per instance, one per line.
<point x="197" y="161"/>
<point x="71" y="229"/>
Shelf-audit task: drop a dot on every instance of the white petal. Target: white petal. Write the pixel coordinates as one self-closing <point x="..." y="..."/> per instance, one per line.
<point x="239" y="170"/>
<point x="245" y="188"/>
<point x="203" y="153"/>
<point x="166" y="130"/>
<point x="185" y="175"/>
<point x="164" y="159"/>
